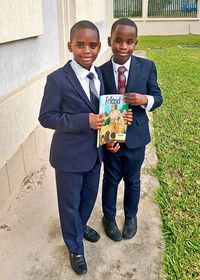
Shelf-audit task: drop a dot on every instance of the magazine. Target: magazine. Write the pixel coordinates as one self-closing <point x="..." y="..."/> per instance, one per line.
<point x="113" y="108"/>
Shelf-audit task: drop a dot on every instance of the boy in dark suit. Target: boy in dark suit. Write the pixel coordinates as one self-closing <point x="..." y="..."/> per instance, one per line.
<point x="137" y="78"/>
<point x="70" y="107"/>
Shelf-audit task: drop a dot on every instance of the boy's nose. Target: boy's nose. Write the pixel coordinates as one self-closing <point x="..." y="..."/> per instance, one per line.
<point x="86" y="49"/>
<point x="123" y="46"/>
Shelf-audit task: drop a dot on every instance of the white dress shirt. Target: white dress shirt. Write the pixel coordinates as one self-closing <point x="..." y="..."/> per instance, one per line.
<point x="82" y="73"/>
<point x="150" y="98"/>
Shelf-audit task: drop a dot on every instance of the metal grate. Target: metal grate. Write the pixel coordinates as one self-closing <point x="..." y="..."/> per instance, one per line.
<point x="156" y="8"/>
<point x="172" y="8"/>
<point x="127" y="8"/>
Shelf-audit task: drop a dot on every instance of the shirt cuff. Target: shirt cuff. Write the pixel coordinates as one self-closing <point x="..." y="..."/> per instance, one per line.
<point x="150" y="103"/>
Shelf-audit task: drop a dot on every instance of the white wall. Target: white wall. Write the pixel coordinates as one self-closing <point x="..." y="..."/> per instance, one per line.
<point x="168" y="26"/>
<point x="18" y="19"/>
<point x="24" y="65"/>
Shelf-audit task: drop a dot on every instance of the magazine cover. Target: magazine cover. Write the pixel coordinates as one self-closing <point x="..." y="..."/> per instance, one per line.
<point x="113" y="107"/>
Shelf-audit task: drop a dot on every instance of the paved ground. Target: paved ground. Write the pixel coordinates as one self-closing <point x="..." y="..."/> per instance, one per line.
<point x="31" y="246"/>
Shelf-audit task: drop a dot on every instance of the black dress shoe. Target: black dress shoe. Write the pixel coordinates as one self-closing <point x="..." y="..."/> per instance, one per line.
<point x="91" y="235"/>
<point x="111" y="229"/>
<point x="78" y="263"/>
<point x="130" y="227"/>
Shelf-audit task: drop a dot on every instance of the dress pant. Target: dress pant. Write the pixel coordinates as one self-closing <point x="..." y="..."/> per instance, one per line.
<point x="126" y="164"/>
<point x="76" y="192"/>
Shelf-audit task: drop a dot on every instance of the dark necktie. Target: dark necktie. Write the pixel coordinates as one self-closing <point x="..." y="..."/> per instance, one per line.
<point x="121" y="80"/>
<point x="93" y="92"/>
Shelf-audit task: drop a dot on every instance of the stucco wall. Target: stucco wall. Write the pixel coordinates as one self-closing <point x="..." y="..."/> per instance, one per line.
<point x="22" y="60"/>
<point x="23" y="67"/>
<point x="18" y="19"/>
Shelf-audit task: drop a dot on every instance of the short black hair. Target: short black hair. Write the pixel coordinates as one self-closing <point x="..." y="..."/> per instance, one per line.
<point x="81" y="25"/>
<point x="124" y="21"/>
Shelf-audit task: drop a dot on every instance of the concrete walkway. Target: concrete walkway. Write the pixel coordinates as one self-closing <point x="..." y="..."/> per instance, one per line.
<point x="32" y="248"/>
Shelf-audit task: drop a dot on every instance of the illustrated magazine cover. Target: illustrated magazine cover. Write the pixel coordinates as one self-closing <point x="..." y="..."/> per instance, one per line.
<point x="113" y="107"/>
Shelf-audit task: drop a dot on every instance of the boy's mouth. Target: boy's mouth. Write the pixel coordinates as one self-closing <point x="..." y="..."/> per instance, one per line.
<point x="122" y="54"/>
<point x="86" y="58"/>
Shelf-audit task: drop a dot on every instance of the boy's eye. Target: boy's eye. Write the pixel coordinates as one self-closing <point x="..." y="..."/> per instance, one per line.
<point x="130" y="42"/>
<point x="79" y="45"/>
<point x="118" y="40"/>
<point x="93" y="46"/>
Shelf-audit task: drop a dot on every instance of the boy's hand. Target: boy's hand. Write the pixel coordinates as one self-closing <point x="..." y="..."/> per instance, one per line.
<point x="113" y="147"/>
<point x="134" y="98"/>
<point x="128" y="116"/>
<point x="96" y="121"/>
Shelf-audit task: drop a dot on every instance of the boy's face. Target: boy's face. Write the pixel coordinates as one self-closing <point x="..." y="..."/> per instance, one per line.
<point x="85" y="46"/>
<point x="122" y="42"/>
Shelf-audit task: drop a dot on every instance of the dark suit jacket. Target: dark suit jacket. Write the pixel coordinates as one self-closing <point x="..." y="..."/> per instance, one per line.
<point x="142" y="79"/>
<point x="66" y="108"/>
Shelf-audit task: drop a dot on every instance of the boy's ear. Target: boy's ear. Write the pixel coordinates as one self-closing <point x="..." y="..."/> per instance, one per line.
<point x="136" y="43"/>
<point x="109" y="41"/>
<point x="69" y="45"/>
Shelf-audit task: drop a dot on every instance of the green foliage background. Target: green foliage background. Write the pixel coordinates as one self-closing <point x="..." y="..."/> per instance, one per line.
<point x="177" y="134"/>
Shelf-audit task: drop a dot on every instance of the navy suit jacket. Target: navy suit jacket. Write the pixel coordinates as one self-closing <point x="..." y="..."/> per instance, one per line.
<point x="142" y="79"/>
<point x="65" y="107"/>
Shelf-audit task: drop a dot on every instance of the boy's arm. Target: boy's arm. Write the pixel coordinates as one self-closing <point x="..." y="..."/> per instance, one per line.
<point x="153" y="88"/>
<point x="51" y="115"/>
<point x="112" y="147"/>
<point x="153" y="98"/>
<point x="128" y="116"/>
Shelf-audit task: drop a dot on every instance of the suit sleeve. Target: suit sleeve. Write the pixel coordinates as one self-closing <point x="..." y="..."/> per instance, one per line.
<point x="153" y="89"/>
<point x="51" y="114"/>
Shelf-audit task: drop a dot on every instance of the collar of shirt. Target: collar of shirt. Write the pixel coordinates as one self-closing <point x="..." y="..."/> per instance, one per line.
<point x="116" y="66"/>
<point x="115" y="70"/>
<point x="127" y="65"/>
<point x="82" y="73"/>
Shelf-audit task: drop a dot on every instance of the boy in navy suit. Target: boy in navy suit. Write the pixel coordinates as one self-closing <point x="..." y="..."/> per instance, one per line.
<point x="70" y="107"/>
<point x="137" y="78"/>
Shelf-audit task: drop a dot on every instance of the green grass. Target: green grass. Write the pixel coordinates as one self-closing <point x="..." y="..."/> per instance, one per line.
<point x="177" y="140"/>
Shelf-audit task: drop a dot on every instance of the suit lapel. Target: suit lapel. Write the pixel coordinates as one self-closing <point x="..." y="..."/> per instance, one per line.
<point x="133" y="73"/>
<point x="110" y="79"/>
<point x="101" y="81"/>
<point x="71" y="76"/>
<point x="132" y="77"/>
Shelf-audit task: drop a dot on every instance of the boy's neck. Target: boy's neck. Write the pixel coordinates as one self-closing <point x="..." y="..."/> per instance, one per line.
<point x="88" y="68"/>
<point x="120" y="62"/>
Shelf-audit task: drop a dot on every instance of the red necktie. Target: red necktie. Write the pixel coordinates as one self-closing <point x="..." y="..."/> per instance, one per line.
<point x="121" y="79"/>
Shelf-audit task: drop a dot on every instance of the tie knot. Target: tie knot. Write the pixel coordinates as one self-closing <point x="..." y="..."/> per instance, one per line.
<point x="121" y="69"/>
<point x="90" y="76"/>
